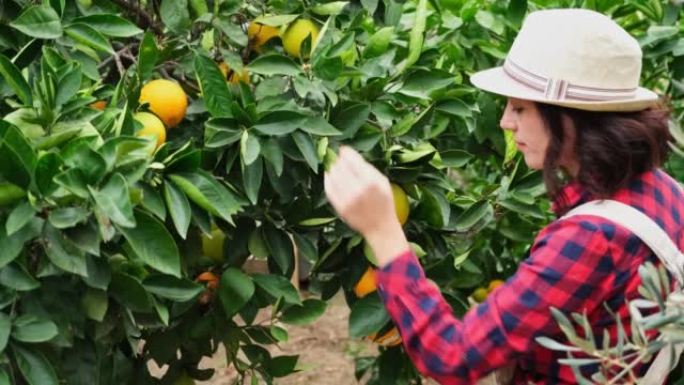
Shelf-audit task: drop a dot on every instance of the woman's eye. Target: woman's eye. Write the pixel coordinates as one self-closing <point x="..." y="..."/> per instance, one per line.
<point x="518" y="110"/>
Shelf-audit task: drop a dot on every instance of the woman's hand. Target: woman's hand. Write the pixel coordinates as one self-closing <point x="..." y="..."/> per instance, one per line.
<point x="362" y="197"/>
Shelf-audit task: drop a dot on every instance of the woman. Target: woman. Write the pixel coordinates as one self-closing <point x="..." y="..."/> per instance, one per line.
<point x="575" y="108"/>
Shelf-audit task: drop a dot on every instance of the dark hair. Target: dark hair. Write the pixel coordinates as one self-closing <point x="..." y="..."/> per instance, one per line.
<point x="610" y="147"/>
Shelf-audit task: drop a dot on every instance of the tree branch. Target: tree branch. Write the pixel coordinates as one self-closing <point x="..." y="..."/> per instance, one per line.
<point x="148" y="19"/>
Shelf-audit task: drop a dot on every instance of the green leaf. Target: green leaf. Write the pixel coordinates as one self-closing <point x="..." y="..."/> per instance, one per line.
<point x="28" y="328"/>
<point x="307" y="148"/>
<point x="11" y="246"/>
<point x="95" y="304"/>
<point x="147" y="56"/>
<point x="46" y="168"/>
<point x="416" y="35"/>
<point x="252" y="176"/>
<point x="274" y="64"/>
<point x="317" y="125"/>
<point x="17" y="158"/>
<point x="66" y="217"/>
<point x="421" y="83"/>
<point x="4" y="378"/>
<point x="221" y="132"/>
<point x="489" y="21"/>
<point x="169" y="287"/>
<point x="208" y="193"/>
<point x="278" y="333"/>
<point x="110" y="25"/>
<point x="280" y="249"/>
<point x="278" y="287"/>
<point x="62" y="254"/>
<point x="87" y="35"/>
<point x="179" y="208"/>
<point x="368" y="315"/>
<point x="39" y="21"/>
<point x="280" y="122"/>
<point x="379" y="42"/>
<point x="152" y="201"/>
<point x="350" y="118"/>
<point x="153" y="244"/>
<point x="129" y="292"/>
<point x="275" y="20"/>
<point x="19" y="217"/>
<point x="273" y="154"/>
<point x="175" y="15"/>
<point x="282" y="366"/>
<point x="16" y="277"/>
<point x="304" y="314"/>
<point x="455" y="107"/>
<point x="433" y="207"/>
<point x="473" y="215"/>
<point x="114" y="200"/>
<point x="249" y="148"/>
<point x="14" y="78"/>
<point x="235" y="290"/>
<point x="217" y="97"/>
<point x="68" y="86"/>
<point x="5" y="327"/>
<point x="33" y="365"/>
<point x="332" y="8"/>
<point x="230" y="29"/>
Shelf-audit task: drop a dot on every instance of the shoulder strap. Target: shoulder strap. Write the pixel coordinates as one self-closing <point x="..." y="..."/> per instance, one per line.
<point x="640" y="225"/>
<point x="662" y="245"/>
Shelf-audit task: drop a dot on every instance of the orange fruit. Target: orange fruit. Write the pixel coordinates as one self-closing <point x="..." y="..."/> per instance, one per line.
<point x="366" y="284"/>
<point x="99" y="105"/>
<point x="391" y="338"/>
<point x="401" y="203"/>
<point x="232" y="76"/>
<point x="296" y="33"/>
<point x="259" y="34"/>
<point x="207" y="276"/>
<point x="152" y="126"/>
<point x="494" y="284"/>
<point x="166" y="99"/>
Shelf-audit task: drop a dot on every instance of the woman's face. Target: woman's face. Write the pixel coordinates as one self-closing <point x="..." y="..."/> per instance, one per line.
<point x="522" y="118"/>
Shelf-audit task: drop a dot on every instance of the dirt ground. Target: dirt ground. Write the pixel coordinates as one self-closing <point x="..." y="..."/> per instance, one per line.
<point x="326" y="352"/>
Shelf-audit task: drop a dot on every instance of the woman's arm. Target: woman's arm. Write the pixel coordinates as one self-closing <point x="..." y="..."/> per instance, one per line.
<point x="569" y="268"/>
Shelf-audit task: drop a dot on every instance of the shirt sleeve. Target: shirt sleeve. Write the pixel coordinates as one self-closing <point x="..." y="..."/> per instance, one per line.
<point x="569" y="267"/>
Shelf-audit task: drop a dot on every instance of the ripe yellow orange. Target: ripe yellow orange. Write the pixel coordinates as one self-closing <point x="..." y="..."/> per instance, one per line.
<point x="401" y="203"/>
<point x="152" y="126"/>
<point x="494" y="284"/>
<point x="99" y="105"/>
<point x="296" y="33"/>
<point x="166" y="99"/>
<point x="366" y="284"/>
<point x="212" y="246"/>
<point x="259" y="34"/>
<point x="232" y="76"/>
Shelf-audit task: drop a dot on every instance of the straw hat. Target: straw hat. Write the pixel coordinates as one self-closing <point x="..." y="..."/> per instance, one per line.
<point x="573" y="58"/>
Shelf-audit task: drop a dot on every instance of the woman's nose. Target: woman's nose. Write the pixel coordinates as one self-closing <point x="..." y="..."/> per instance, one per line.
<point x="507" y="121"/>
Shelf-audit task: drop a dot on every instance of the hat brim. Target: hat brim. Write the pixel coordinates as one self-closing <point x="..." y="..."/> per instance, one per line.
<point x="495" y="80"/>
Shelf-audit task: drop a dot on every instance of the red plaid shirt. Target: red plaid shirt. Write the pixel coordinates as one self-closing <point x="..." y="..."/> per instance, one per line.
<point x="575" y="265"/>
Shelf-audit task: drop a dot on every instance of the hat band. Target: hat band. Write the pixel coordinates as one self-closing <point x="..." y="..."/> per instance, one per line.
<point x="558" y="89"/>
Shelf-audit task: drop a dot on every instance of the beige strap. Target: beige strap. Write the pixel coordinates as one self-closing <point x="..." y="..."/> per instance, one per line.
<point x="662" y="245"/>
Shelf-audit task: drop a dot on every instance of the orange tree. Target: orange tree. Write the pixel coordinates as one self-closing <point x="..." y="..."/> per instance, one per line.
<point x="129" y="205"/>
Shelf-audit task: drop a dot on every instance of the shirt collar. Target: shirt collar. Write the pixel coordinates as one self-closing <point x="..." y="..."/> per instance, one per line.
<point x="569" y="196"/>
